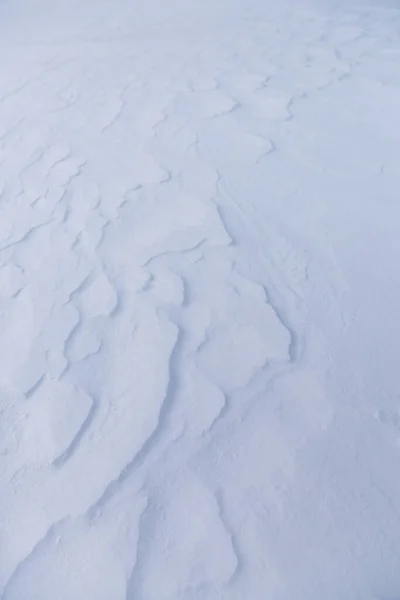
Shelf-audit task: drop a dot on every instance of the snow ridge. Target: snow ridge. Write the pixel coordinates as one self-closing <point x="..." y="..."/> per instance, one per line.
<point x="176" y="295"/>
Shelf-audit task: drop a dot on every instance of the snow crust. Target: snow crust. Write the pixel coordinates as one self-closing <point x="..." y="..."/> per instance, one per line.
<point x="199" y="300"/>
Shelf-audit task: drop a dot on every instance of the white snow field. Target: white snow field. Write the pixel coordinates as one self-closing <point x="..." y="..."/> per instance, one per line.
<point x="199" y="300"/>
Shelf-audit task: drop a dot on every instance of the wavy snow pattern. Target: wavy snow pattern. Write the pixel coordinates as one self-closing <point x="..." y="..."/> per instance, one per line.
<point x="162" y="273"/>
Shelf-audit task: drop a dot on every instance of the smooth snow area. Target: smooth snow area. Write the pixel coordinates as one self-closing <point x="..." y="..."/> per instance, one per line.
<point x="199" y="300"/>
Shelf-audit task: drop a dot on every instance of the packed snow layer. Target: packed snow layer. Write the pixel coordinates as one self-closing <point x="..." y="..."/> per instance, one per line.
<point x="199" y="300"/>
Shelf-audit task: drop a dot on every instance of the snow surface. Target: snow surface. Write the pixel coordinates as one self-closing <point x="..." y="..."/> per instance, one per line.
<point x="199" y="300"/>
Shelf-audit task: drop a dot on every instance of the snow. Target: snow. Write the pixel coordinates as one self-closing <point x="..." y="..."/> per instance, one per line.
<point x="199" y="300"/>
